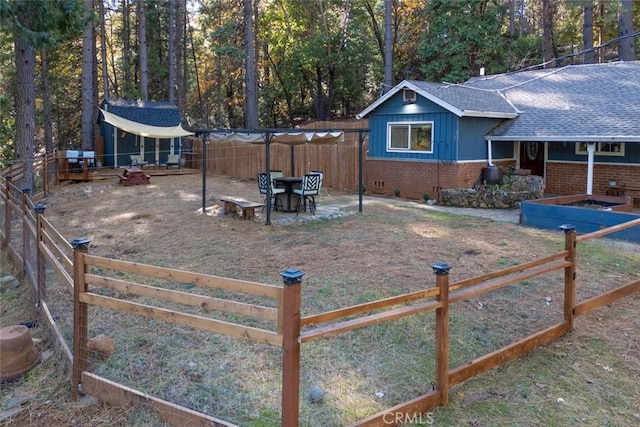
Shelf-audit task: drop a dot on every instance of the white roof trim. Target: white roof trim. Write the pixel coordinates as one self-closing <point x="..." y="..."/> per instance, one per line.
<point x="458" y="112"/>
<point x="565" y="138"/>
<point x="489" y="115"/>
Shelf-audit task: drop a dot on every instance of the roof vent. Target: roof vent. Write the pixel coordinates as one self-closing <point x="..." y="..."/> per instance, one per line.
<point x="409" y="96"/>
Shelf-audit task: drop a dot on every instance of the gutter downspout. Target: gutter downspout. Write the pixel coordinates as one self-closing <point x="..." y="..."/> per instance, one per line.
<point x="591" y="149"/>
<point x="489" y="153"/>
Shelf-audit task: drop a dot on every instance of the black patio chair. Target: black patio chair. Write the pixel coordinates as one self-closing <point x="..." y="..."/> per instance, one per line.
<point x="308" y="191"/>
<point x="264" y="182"/>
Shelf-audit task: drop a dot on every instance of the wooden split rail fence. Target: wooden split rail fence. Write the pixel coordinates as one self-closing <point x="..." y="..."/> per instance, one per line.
<point x="290" y="330"/>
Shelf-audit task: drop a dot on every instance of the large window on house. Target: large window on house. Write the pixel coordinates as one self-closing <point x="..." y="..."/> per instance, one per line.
<point x="602" y="148"/>
<point x="410" y="136"/>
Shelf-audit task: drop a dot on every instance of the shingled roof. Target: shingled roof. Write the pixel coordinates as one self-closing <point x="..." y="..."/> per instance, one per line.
<point x="145" y="112"/>
<point x="460" y="100"/>
<point x="593" y="102"/>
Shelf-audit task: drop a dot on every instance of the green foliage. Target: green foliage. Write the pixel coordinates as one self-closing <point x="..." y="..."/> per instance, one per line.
<point x="396" y="191"/>
<point x="426" y="197"/>
<point x="319" y="61"/>
<point x="315" y="59"/>
<point x="525" y="51"/>
<point x="462" y="37"/>
<point x="43" y="24"/>
<point x="7" y="123"/>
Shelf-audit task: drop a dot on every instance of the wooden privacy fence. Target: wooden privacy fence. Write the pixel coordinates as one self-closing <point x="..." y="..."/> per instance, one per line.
<point x="339" y="162"/>
<point x="82" y="274"/>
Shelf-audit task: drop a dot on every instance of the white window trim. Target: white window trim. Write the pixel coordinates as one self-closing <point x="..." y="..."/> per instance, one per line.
<point x="405" y="150"/>
<point x="602" y="153"/>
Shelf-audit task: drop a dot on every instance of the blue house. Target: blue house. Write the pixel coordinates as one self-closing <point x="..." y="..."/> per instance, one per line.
<point x="578" y="127"/>
<point x="151" y="130"/>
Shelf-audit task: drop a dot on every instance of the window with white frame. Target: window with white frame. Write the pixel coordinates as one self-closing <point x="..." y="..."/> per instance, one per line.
<point x="602" y="148"/>
<point x="410" y="136"/>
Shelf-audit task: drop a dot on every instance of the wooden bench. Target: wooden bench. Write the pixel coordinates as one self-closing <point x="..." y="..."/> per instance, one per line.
<point x="231" y="205"/>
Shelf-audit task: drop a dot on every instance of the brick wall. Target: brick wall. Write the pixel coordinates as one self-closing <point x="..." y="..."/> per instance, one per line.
<point x="571" y="178"/>
<point x="413" y="179"/>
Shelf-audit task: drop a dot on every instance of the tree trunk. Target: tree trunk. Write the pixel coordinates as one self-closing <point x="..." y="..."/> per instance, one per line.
<point x="46" y="102"/>
<point x="87" y="80"/>
<point x="25" y="106"/>
<point x="103" y="52"/>
<point x="587" y="33"/>
<point x="172" y="49"/>
<point x="320" y="102"/>
<point x="388" y="47"/>
<point x="142" y="40"/>
<point x="251" y="86"/>
<point x="626" y="50"/>
<point x="127" y="80"/>
<point x="547" y="34"/>
<point x="181" y="52"/>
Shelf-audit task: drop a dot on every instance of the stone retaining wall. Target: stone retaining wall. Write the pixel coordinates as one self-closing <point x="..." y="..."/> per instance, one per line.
<point x="508" y="195"/>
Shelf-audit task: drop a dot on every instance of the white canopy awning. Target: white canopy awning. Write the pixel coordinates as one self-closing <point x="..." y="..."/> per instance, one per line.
<point x="287" y="138"/>
<point x="142" y="129"/>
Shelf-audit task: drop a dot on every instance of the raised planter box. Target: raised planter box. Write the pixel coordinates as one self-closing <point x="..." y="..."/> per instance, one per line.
<point x="586" y="213"/>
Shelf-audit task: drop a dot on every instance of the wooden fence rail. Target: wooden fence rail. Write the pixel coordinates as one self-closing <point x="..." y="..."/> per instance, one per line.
<point x="80" y="273"/>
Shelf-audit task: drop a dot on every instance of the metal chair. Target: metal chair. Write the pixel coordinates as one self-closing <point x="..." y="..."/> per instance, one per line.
<point x="308" y="191"/>
<point x="173" y="160"/>
<point x="137" y="160"/>
<point x="321" y="177"/>
<point x="318" y="173"/>
<point x="275" y="174"/>
<point x="264" y="182"/>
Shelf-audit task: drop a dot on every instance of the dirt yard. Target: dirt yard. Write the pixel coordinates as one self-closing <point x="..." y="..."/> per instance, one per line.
<point x="347" y="257"/>
<point x="162" y="224"/>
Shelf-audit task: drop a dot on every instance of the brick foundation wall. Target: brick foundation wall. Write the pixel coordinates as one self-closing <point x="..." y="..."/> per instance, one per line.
<point x="571" y="178"/>
<point x="413" y="179"/>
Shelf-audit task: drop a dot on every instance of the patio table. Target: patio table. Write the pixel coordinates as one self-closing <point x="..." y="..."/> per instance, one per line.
<point x="289" y="182"/>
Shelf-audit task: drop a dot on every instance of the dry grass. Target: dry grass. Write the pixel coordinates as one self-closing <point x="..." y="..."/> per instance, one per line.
<point x="387" y="250"/>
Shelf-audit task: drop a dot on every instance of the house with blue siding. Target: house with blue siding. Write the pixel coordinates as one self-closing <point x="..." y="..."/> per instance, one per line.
<point x="578" y="127"/>
<point x="151" y="130"/>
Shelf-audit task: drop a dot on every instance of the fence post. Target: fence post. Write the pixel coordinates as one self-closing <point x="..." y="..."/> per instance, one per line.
<point x="7" y="211"/>
<point x="291" y="320"/>
<point x="25" y="228"/>
<point x="442" y="331"/>
<point x="80" y="320"/>
<point x="41" y="292"/>
<point x="570" y="273"/>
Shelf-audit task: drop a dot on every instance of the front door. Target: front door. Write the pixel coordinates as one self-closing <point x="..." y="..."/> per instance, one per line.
<point x="532" y="157"/>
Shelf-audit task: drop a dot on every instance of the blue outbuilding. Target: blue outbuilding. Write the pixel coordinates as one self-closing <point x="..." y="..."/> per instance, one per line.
<point x="149" y="130"/>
